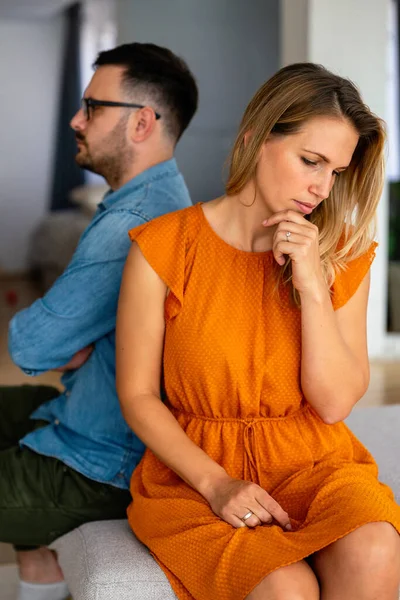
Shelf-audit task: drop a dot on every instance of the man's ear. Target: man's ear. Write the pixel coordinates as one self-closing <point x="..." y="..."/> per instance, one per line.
<point x="142" y="124"/>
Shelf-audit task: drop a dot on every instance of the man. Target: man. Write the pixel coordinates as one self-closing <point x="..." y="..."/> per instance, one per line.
<point x="67" y="458"/>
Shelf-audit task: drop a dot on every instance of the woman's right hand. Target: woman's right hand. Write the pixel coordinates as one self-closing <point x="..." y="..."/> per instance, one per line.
<point x="232" y="499"/>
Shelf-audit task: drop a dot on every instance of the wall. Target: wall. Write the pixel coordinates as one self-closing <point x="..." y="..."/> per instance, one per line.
<point x="294" y="31"/>
<point x="29" y="74"/>
<point x="230" y="49"/>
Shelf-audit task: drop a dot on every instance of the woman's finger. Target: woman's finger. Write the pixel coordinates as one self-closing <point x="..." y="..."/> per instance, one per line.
<point x="282" y="249"/>
<point x="250" y="519"/>
<point x="263" y="515"/>
<point x="275" y="509"/>
<point x="257" y="509"/>
<point x="236" y="522"/>
<point x="292" y="238"/>
<point x="285" y="226"/>
<point x="288" y="215"/>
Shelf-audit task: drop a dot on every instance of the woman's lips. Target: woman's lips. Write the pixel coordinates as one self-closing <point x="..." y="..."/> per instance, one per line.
<point x="304" y="207"/>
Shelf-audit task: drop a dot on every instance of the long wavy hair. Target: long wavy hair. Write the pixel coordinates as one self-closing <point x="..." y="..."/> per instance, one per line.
<point x="347" y="218"/>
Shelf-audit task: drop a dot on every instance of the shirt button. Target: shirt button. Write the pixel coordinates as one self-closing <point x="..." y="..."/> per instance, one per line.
<point x="68" y="393"/>
<point x="56" y="422"/>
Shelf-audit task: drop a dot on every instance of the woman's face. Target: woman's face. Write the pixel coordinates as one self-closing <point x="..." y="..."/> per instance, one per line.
<point x="298" y="171"/>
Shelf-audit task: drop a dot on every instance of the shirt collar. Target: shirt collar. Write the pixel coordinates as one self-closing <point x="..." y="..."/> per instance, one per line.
<point x="167" y="168"/>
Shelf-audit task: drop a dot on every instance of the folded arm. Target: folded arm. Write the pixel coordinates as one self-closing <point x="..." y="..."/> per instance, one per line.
<point x="80" y="307"/>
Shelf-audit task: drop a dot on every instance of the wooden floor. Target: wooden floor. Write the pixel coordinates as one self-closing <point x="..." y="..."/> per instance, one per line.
<point x="16" y="294"/>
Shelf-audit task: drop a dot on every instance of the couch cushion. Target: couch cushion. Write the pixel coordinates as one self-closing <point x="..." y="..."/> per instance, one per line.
<point x="104" y="561"/>
<point x="378" y="428"/>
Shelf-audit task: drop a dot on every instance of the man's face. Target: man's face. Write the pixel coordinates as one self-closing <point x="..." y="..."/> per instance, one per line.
<point x="101" y="136"/>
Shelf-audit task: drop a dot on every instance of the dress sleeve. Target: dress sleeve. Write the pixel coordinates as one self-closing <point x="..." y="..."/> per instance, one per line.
<point x="348" y="281"/>
<point x="162" y="243"/>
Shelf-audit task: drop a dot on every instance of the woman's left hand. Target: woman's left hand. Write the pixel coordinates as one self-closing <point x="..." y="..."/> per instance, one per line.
<point x="296" y="237"/>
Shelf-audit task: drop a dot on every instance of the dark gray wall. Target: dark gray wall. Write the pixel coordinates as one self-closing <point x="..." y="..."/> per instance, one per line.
<point x="232" y="47"/>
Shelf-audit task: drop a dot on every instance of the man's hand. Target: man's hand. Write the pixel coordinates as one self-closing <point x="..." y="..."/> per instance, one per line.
<point x="77" y="360"/>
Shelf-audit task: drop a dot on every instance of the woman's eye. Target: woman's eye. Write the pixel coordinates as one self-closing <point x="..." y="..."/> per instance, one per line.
<point x="308" y="162"/>
<point x="311" y="163"/>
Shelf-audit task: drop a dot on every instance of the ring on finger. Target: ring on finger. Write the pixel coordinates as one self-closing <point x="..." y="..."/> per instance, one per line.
<point x="247" y="516"/>
<point x="288" y="234"/>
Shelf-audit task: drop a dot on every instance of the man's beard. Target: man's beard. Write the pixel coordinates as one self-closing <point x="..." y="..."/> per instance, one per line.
<point x="113" y="156"/>
<point x="84" y="158"/>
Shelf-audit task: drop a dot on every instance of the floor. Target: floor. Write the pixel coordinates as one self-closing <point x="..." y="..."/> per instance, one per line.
<point x="18" y="293"/>
<point x="8" y="582"/>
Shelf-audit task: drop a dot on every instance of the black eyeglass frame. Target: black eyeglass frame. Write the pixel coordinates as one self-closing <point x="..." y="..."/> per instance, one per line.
<point x="88" y="103"/>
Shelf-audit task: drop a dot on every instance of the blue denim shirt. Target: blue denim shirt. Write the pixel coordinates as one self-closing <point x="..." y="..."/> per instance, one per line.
<point x="86" y="429"/>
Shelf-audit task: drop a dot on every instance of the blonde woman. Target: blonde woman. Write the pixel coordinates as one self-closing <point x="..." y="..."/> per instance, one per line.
<point x="253" y="308"/>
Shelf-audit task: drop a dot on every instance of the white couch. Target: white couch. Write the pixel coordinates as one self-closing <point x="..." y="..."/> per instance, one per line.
<point x="104" y="561"/>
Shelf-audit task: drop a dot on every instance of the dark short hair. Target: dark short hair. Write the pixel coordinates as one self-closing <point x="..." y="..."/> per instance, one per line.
<point x="162" y="76"/>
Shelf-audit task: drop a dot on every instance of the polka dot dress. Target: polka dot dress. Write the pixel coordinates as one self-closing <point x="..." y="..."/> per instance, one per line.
<point x="232" y="380"/>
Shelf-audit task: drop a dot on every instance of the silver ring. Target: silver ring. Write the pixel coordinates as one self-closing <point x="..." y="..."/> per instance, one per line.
<point x="288" y="234"/>
<point x="247" y="515"/>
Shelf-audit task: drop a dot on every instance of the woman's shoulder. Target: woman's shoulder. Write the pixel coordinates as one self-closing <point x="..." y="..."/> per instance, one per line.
<point x="170" y="227"/>
<point x="356" y="263"/>
<point x="165" y="242"/>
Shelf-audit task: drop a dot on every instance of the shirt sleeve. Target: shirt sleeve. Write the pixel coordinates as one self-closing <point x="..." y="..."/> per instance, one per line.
<point x="348" y="281"/>
<point x="81" y="306"/>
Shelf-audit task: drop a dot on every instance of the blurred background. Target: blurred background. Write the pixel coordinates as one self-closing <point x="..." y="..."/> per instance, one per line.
<point x="232" y="46"/>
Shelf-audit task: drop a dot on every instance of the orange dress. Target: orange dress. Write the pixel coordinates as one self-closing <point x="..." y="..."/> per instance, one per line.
<point x="232" y="379"/>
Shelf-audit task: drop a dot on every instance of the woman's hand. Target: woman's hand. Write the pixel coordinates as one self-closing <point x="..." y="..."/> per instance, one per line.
<point x="298" y="238"/>
<point x="232" y="499"/>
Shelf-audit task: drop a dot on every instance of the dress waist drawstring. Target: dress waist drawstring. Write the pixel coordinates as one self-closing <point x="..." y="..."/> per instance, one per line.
<point x="250" y="466"/>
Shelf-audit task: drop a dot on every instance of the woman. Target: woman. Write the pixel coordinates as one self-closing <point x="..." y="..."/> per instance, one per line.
<point x="254" y="305"/>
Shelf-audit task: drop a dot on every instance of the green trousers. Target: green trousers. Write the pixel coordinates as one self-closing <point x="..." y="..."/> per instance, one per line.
<point x="40" y="497"/>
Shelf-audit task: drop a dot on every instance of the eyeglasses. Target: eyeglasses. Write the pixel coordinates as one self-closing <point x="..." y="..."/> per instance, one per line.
<point x="88" y="104"/>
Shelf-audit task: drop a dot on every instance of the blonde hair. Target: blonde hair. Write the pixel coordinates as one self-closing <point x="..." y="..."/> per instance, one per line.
<point x="295" y="94"/>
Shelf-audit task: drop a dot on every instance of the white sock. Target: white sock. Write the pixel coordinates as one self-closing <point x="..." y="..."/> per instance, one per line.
<point x="43" y="591"/>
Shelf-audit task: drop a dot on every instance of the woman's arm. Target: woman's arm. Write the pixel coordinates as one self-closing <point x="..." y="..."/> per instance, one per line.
<point x="139" y="349"/>
<point x="334" y="358"/>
